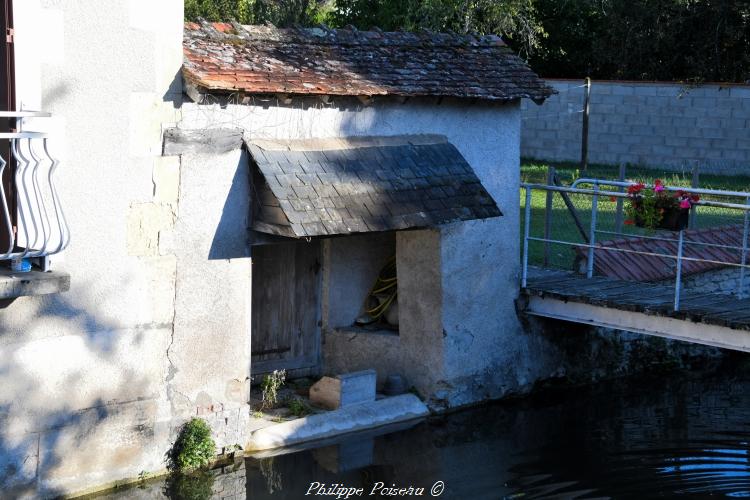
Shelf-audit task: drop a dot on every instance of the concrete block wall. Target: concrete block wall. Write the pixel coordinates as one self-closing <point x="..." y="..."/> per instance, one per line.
<point x="660" y="125"/>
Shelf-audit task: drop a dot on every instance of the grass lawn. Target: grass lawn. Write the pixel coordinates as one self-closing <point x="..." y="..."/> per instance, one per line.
<point x="563" y="226"/>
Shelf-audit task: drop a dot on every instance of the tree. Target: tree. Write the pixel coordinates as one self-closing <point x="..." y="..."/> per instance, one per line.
<point x="515" y="19"/>
<point x="277" y="12"/>
<point x="645" y="39"/>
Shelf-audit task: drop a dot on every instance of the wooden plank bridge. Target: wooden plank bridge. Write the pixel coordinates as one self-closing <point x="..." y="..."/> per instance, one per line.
<point x="704" y="318"/>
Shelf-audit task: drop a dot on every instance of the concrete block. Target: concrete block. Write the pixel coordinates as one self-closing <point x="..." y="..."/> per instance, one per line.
<point x="713" y="133"/>
<point x="344" y="390"/>
<point x="668" y="91"/>
<point x="740" y="92"/>
<point x="622" y="90"/>
<point x="675" y="141"/>
<point x="644" y="90"/>
<point x="663" y="151"/>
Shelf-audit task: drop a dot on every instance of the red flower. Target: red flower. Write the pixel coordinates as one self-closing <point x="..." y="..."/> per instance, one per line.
<point x="657" y="182"/>
<point x="628" y="222"/>
<point x="695" y="198"/>
<point x="679" y="194"/>
<point x="636" y="188"/>
<point x="612" y="198"/>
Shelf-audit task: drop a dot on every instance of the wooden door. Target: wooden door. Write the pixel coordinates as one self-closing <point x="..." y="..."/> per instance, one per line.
<point x="286" y="309"/>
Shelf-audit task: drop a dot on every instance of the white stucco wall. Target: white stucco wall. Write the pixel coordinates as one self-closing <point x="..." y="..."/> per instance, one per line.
<point x="94" y="382"/>
<point x="482" y="349"/>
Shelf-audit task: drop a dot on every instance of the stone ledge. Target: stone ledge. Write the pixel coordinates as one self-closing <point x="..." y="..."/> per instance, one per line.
<point x="348" y="419"/>
<point x="13" y="284"/>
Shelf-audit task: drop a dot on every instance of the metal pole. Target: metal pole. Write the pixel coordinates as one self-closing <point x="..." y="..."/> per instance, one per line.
<point x="741" y="285"/>
<point x="695" y="183"/>
<point x="548" y="215"/>
<point x="526" y="226"/>
<point x="618" y="210"/>
<point x="585" y="127"/>
<point x="592" y="232"/>
<point x="678" y="274"/>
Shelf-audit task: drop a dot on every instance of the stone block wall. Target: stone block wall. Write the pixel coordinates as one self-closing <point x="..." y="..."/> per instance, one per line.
<point x="661" y="125"/>
<point x="725" y="281"/>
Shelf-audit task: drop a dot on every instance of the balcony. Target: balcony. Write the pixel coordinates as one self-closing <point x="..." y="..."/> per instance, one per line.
<point x="32" y="221"/>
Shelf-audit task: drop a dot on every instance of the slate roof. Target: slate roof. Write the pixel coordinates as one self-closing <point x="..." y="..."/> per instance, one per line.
<point x="231" y="58"/>
<point x="637" y="267"/>
<point x="335" y="186"/>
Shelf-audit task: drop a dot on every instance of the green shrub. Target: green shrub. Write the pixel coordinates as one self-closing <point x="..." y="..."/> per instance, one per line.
<point x="193" y="448"/>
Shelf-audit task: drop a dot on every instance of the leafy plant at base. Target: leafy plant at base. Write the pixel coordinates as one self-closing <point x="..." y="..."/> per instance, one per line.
<point x="270" y="386"/>
<point x="193" y="448"/>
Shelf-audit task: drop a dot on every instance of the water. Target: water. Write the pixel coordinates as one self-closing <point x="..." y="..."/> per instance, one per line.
<point x="674" y="435"/>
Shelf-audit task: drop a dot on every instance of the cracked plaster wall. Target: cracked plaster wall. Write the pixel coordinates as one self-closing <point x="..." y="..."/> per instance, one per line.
<point x="95" y="382"/>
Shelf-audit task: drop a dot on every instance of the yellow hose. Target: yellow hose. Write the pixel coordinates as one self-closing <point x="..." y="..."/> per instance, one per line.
<point x="383" y="283"/>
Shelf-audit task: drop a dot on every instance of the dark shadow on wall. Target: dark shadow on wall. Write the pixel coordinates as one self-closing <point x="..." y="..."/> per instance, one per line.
<point x="174" y="91"/>
<point x="231" y="239"/>
<point x="41" y="430"/>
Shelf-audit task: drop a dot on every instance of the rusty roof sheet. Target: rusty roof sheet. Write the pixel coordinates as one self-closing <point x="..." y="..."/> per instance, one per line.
<point x="323" y="187"/>
<point x="222" y="57"/>
<point x="637" y="267"/>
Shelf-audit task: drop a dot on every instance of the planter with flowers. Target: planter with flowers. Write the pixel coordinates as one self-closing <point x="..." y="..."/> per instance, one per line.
<point x="658" y="208"/>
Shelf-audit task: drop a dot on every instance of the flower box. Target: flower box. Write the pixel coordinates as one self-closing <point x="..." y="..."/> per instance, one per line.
<point x="673" y="219"/>
<point x="657" y="208"/>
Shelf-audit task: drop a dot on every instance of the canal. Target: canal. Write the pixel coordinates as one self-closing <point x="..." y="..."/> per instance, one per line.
<point x="676" y="434"/>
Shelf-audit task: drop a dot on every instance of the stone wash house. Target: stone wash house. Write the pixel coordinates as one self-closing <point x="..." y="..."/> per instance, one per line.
<point x="232" y="194"/>
<point x="360" y="147"/>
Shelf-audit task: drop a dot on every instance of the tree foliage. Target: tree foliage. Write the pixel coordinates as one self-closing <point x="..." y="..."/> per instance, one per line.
<point x="515" y="19"/>
<point x="278" y="12"/>
<point x="696" y="40"/>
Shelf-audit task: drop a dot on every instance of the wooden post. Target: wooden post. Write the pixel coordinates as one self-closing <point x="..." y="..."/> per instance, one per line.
<point x="695" y="184"/>
<point x="548" y="214"/>
<point x="585" y="127"/>
<point x="618" y="211"/>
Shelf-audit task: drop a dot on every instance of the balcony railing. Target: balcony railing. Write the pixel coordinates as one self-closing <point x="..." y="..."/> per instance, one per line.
<point x="29" y="198"/>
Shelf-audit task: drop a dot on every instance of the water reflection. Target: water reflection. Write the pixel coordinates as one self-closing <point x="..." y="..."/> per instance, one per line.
<point x="674" y="435"/>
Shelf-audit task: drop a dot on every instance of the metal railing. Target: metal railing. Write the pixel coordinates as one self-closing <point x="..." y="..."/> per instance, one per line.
<point x="28" y="194"/>
<point x="592" y="245"/>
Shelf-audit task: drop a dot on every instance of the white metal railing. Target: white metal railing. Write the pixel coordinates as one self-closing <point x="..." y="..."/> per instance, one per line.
<point x="41" y="228"/>
<point x="595" y="192"/>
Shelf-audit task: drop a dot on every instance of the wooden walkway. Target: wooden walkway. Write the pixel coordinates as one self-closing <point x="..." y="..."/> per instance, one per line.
<point x="648" y="298"/>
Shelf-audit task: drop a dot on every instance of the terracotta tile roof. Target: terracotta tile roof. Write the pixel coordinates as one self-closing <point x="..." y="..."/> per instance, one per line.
<point x="223" y="57"/>
<point x="356" y="185"/>
<point x="637" y="267"/>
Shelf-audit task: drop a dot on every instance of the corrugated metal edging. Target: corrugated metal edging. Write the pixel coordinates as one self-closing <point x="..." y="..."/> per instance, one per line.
<point x="637" y="267"/>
